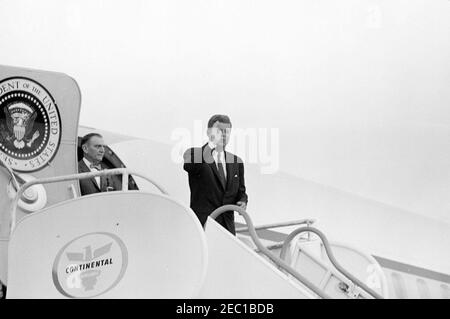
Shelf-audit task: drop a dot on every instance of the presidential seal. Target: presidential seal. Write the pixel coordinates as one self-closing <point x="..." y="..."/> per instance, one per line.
<point x="90" y="265"/>
<point x="30" y="124"/>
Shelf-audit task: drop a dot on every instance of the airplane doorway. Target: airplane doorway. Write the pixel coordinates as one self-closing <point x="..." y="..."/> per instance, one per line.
<point x="110" y="160"/>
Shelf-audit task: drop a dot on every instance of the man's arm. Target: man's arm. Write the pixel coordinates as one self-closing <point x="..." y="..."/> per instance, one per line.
<point x="192" y="163"/>
<point x="242" y="195"/>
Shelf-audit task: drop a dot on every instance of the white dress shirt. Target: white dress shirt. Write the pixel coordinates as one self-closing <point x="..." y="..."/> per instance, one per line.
<point x="219" y="156"/>
<point x="88" y="164"/>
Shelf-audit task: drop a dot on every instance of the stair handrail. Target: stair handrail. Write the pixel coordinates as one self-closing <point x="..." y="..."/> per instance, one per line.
<point x="125" y="172"/>
<point x="330" y="255"/>
<point x="277" y="261"/>
<point x="278" y="225"/>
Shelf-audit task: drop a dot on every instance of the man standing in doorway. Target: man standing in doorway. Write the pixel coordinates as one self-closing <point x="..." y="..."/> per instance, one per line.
<point x="216" y="177"/>
<point x="93" y="152"/>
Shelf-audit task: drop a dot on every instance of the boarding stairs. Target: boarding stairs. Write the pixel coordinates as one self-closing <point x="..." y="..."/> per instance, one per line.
<point x="149" y="259"/>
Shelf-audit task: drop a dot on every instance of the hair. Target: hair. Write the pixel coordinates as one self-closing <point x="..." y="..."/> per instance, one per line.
<point x="218" y="118"/>
<point x="87" y="137"/>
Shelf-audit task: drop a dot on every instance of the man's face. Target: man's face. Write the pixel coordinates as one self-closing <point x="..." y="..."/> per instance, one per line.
<point x="94" y="149"/>
<point x="220" y="133"/>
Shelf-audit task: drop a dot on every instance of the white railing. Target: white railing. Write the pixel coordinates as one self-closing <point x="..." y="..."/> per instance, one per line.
<point x="107" y="172"/>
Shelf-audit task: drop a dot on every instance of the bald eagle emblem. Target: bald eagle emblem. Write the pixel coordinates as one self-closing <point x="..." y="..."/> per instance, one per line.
<point x="20" y="122"/>
<point x="30" y="124"/>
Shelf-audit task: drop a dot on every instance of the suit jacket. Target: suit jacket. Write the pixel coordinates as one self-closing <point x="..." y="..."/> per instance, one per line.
<point x="90" y="186"/>
<point x="207" y="191"/>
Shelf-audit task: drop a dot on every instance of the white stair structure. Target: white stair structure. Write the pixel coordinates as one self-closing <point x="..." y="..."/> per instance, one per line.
<point x="303" y="266"/>
<point x="123" y="244"/>
<point x="236" y="271"/>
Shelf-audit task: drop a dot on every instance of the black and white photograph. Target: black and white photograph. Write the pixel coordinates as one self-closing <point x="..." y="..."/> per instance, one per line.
<point x="225" y="154"/>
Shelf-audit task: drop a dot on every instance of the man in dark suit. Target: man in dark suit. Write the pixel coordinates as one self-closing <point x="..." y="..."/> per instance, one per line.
<point x="216" y="177"/>
<point x="94" y="149"/>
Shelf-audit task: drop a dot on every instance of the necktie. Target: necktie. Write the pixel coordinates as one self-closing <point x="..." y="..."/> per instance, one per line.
<point x="221" y="171"/>
<point x="97" y="167"/>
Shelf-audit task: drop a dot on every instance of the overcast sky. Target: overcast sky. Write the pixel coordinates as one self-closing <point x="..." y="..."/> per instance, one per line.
<point x="359" y="90"/>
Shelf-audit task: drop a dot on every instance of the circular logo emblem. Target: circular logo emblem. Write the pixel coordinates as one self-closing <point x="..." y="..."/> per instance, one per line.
<point x="30" y="125"/>
<point x="90" y="265"/>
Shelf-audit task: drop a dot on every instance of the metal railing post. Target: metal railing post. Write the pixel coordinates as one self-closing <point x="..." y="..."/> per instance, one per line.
<point x="125" y="182"/>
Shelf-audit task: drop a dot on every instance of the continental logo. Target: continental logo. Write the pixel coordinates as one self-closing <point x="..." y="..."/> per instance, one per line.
<point x="90" y="265"/>
<point x="30" y="124"/>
